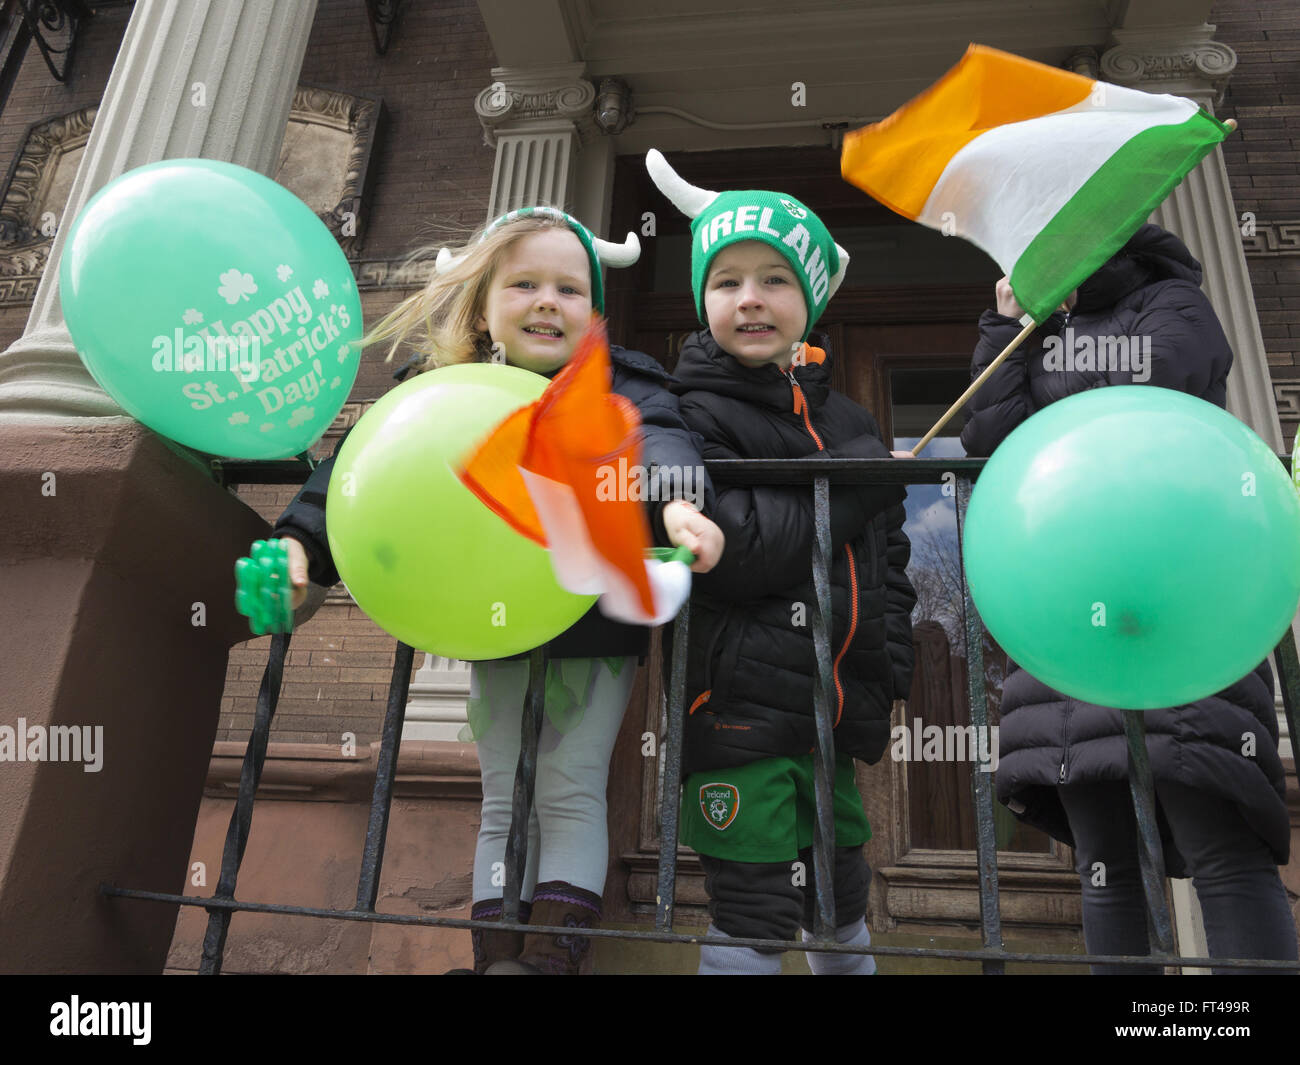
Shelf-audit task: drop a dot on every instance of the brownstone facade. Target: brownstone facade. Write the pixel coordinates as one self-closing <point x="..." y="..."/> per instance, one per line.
<point x="432" y="180"/>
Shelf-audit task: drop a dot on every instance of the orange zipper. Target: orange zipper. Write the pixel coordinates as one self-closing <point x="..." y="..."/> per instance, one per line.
<point x="853" y="624"/>
<point x="801" y="407"/>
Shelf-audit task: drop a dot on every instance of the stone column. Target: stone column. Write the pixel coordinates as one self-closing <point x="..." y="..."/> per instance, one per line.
<point x="549" y="149"/>
<point x="1186" y="61"/>
<point x="436" y="707"/>
<point x="116" y="552"/>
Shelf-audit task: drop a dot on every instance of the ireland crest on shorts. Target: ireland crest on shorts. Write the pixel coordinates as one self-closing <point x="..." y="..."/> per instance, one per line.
<point x="720" y="804"/>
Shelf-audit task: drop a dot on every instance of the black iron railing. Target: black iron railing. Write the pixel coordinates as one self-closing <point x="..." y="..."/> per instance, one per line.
<point x="821" y="473"/>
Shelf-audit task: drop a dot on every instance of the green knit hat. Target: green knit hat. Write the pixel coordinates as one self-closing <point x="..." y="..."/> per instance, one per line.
<point x="719" y="219"/>
<point x="598" y="251"/>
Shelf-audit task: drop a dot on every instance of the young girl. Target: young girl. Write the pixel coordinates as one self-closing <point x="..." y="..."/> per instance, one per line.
<point x="524" y="292"/>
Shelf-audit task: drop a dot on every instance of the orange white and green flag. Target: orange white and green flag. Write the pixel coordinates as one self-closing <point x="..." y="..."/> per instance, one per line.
<point x="1047" y="171"/>
<point x="541" y="469"/>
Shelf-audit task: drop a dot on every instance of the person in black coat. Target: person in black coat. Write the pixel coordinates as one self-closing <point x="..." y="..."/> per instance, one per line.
<point x="755" y="664"/>
<point x="763" y="268"/>
<point x="1063" y="763"/>
<point x="523" y="292"/>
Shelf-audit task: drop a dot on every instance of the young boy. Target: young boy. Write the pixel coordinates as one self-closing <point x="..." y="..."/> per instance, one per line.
<point x="763" y="268"/>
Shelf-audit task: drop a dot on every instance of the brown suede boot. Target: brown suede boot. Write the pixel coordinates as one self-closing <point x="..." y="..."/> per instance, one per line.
<point x="560" y="905"/>
<point x="492" y="947"/>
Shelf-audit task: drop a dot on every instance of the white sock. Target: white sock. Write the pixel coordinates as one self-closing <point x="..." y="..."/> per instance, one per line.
<point x="855" y="935"/>
<point x="736" y="961"/>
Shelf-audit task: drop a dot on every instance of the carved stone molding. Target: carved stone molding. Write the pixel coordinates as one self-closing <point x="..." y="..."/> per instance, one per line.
<point x="1184" y="61"/>
<point x="1084" y="62"/>
<point x="34" y="199"/>
<point x="356" y="122"/>
<point x="324" y="160"/>
<point x="949" y="893"/>
<point x="1211" y="60"/>
<point x="392" y="273"/>
<point x="28" y="261"/>
<point x="1287" y="394"/>
<point x="20" y="291"/>
<point x="1273" y="239"/>
<point x="436" y="708"/>
<point x="543" y="93"/>
<point x="343" y="420"/>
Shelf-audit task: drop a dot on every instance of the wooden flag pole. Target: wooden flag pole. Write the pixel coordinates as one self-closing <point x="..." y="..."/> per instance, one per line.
<point x="974" y="386"/>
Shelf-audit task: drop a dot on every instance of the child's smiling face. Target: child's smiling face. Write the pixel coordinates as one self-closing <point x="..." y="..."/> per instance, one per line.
<point x="539" y="300"/>
<point x="754" y="304"/>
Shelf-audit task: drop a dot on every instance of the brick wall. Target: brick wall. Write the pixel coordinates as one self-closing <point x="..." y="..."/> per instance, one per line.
<point x="1263" y="161"/>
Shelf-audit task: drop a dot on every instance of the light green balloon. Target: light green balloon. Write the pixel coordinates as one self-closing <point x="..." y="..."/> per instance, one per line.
<point x="419" y="552"/>
<point x="1134" y="547"/>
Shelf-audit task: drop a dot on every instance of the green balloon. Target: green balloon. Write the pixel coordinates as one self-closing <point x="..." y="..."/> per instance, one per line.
<point x="214" y="307"/>
<point x="419" y="552"/>
<point x="1134" y="547"/>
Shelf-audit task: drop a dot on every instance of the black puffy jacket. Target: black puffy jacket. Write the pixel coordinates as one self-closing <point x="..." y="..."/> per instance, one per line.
<point x="666" y="442"/>
<point x="751" y="664"/>
<point x="1149" y="288"/>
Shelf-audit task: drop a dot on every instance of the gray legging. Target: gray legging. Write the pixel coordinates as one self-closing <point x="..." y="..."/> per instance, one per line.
<point x="568" y="838"/>
<point x="1243" y="902"/>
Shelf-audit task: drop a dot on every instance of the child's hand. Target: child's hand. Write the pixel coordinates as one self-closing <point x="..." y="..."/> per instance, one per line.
<point x="902" y="454"/>
<point x="688" y="528"/>
<point x="297" y="571"/>
<point x="1006" y="299"/>
<point x="1008" y="306"/>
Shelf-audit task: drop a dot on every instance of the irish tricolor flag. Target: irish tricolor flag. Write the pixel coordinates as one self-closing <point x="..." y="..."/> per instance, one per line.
<point x="541" y="469"/>
<point x="1049" y="172"/>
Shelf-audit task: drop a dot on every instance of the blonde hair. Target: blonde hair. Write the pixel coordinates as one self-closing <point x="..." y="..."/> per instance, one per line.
<point x="439" y="320"/>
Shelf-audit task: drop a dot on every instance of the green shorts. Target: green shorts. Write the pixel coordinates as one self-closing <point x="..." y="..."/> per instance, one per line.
<point x="765" y="811"/>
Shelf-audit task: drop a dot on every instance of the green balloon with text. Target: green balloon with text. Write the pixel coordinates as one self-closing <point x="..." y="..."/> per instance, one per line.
<point x="214" y="306"/>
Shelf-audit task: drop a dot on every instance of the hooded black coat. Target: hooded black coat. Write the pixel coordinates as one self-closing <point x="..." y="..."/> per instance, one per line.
<point x="751" y="664"/>
<point x="1150" y="288"/>
<point x="666" y="443"/>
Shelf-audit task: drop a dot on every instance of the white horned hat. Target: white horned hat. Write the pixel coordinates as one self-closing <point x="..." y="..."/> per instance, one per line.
<point x="598" y="251"/>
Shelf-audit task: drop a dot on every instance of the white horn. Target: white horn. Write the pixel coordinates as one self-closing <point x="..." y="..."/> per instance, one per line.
<point x="688" y="198"/>
<point x="612" y="254"/>
<point x="444" y="262"/>
<point x="839" y="274"/>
